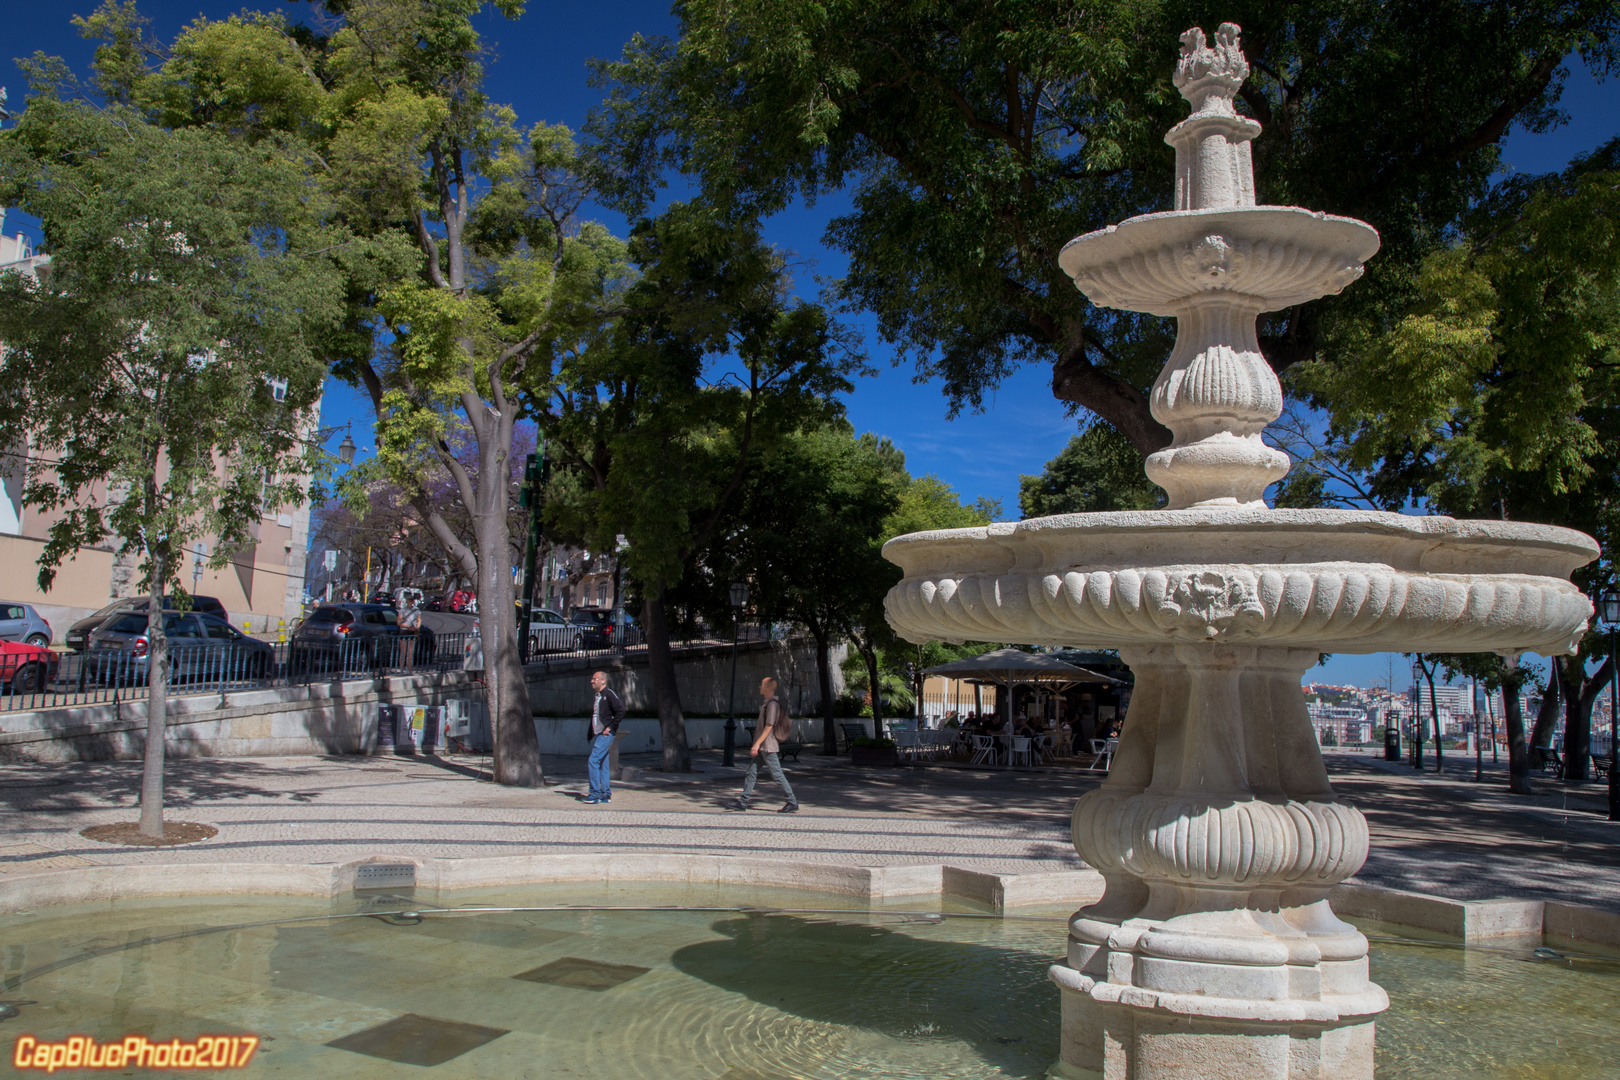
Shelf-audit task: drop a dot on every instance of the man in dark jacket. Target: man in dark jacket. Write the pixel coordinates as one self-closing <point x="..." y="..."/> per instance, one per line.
<point x="607" y="712"/>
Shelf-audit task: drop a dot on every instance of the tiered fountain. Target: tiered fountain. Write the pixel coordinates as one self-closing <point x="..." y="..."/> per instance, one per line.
<point x="1213" y="953"/>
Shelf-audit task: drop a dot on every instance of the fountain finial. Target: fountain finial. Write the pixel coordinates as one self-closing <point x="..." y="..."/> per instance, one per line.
<point x="1210" y="78"/>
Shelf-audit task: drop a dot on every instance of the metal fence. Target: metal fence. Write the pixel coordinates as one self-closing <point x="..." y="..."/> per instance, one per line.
<point x="633" y="641"/>
<point x="92" y="678"/>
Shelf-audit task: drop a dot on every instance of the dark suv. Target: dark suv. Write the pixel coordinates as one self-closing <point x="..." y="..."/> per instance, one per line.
<point x="357" y="636"/>
<point x="598" y="631"/>
<point x="79" y="633"/>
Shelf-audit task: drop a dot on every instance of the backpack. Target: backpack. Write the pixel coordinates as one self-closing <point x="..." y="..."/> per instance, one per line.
<point x="782" y="726"/>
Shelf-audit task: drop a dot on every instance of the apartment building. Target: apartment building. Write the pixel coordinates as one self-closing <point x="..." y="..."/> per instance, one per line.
<point x="263" y="584"/>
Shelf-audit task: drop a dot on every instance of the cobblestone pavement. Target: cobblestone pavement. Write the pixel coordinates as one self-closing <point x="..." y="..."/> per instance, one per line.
<point x="1442" y="835"/>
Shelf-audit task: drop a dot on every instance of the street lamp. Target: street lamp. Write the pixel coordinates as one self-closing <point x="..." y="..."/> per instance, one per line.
<point x="739" y="600"/>
<point x="1417" y="714"/>
<point x="1608" y="606"/>
<point x="346" y="450"/>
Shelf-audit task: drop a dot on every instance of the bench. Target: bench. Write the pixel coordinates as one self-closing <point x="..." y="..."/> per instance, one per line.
<point x="852" y="732"/>
<point x="1600" y="766"/>
<point x="792" y="748"/>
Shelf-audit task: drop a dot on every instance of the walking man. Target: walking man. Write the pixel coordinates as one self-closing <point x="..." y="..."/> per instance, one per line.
<point x="774" y="726"/>
<point x="607" y="712"/>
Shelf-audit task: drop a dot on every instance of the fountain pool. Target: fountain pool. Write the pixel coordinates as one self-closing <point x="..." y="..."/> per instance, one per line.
<point x="668" y="983"/>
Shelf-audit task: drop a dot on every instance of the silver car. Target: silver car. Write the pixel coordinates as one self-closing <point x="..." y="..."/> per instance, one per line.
<point x="550" y="632"/>
<point x="20" y="622"/>
<point x="202" y="647"/>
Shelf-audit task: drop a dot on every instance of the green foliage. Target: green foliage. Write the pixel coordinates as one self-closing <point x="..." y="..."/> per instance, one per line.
<point x="186" y="272"/>
<point x="977" y="138"/>
<point x="1494" y="393"/>
<point x="1098" y="471"/>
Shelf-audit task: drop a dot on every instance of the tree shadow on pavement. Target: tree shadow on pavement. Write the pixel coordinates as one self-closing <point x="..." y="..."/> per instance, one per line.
<point x="74" y="786"/>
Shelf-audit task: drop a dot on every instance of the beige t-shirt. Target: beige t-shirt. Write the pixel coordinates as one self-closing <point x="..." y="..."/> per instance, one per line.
<point x="767" y="718"/>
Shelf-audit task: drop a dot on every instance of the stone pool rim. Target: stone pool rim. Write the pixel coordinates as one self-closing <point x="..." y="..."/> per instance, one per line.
<point x="1471" y="921"/>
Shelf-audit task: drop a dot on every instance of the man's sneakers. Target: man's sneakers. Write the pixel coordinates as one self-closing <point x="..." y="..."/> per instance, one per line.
<point x="737" y="804"/>
<point x="596" y="799"/>
<point x="790" y="808"/>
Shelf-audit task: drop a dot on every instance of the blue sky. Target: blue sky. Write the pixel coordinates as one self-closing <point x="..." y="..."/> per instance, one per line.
<point x="540" y="70"/>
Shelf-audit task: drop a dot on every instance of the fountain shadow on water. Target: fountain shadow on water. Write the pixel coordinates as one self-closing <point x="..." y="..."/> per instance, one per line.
<point x="902" y="986"/>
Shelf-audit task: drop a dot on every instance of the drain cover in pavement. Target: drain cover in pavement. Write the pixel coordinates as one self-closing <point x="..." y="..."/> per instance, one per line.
<point x="418" y="1040"/>
<point x="583" y="974"/>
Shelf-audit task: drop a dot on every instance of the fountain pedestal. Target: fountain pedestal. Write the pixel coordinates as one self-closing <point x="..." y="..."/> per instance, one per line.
<point x="1214" y="954"/>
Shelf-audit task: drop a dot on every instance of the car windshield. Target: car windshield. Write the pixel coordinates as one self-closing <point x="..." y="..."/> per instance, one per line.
<point x="129" y="624"/>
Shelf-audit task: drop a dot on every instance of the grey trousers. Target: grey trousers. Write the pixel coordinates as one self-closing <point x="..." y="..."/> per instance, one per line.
<point x="773" y="762"/>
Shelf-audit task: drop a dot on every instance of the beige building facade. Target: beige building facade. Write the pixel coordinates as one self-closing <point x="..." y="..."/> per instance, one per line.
<point x="261" y="588"/>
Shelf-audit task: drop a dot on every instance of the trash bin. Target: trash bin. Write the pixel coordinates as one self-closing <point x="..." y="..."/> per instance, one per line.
<point x="1392" y="743"/>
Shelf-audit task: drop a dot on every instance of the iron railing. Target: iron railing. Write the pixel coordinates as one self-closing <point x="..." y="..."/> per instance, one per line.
<point x="104" y="676"/>
<point x="100" y="677"/>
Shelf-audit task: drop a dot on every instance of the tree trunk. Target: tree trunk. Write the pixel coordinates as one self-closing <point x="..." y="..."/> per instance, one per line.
<point x="1546" y="719"/>
<point x="1518" y="745"/>
<point x="517" y="745"/>
<point x="1583" y="691"/>
<point x="661" y="666"/>
<point x="157" y="700"/>
<point x="829" y="734"/>
<point x="1434" y="715"/>
<point x="869" y="654"/>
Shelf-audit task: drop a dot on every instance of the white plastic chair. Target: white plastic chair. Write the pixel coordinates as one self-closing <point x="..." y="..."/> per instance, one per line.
<point x="1108" y="753"/>
<point x="1021" y="750"/>
<point x="984" y="750"/>
<point x="906" y="743"/>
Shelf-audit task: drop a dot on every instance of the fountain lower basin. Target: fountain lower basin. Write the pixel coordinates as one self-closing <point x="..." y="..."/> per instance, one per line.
<point x="1323" y="580"/>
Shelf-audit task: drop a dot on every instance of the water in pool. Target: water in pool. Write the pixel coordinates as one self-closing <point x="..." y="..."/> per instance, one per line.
<point x="806" y="986"/>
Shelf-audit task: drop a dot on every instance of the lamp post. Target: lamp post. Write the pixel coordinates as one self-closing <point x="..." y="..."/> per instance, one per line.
<point x="1417" y="714"/>
<point x="346" y="450"/>
<point x="739" y="600"/>
<point x="1609" y="610"/>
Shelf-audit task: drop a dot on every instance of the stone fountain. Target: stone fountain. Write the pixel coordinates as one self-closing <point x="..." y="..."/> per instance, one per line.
<point x="1214" y="953"/>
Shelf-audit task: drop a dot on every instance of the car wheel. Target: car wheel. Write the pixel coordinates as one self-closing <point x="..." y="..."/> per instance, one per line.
<point x="261" y="666"/>
<point x="39" y="641"/>
<point x="30" y="679"/>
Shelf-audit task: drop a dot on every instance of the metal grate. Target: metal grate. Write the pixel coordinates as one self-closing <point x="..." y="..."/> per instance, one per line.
<point x="385" y="876"/>
<point x="418" y="1040"/>
<point x="583" y="974"/>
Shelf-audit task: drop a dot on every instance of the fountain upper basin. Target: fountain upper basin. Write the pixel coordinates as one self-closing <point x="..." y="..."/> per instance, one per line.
<point x="1278" y="255"/>
<point x="1331" y="580"/>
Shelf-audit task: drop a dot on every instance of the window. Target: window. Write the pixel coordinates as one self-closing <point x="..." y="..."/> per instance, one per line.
<point x="601" y="592"/>
<point x="219" y="630"/>
<point x="14" y="611"/>
<point x="278" y="388"/>
<point x="129" y="624"/>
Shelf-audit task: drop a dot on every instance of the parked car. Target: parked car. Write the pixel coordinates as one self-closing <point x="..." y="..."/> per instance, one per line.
<point x="599" y="630"/>
<point x="433" y="603"/>
<point x="202" y="647"/>
<point x="550" y="632"/>
<point x="79" y="633"/>
<point x="341" y="636"/>
<point x="25" y="668"/>
<point x="20" y="622"/>
<point x="463" y="601"/>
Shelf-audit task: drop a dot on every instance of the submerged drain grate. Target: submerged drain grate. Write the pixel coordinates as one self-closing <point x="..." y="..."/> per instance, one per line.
<point x="385" y="876"/>
<point x="583" y="974"/>
<point x="418" y="1040"/>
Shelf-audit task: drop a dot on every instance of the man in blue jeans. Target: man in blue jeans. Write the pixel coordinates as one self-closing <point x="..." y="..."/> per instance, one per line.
<point x="607" y="712"/>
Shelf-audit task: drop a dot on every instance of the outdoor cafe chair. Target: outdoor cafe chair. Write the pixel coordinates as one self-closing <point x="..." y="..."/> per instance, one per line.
<point x="906" y="743"/>
<point x="984" y="750"/>
<point x="1021" y="751"/>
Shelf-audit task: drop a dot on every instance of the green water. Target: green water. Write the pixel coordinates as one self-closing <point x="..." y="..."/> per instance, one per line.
<point x="807" y="988"/>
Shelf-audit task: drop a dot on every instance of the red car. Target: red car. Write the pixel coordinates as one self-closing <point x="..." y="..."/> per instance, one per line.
<point x="461" y="600"/>
<point x="26" y="669"/>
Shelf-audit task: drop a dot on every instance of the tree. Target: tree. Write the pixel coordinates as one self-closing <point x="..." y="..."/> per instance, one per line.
<point x="1493" y="393"/>
<point x="186" y="275"/>
<point x="1098" y="471"/>
<point x="804" y="537"/>
<point x="980" y="137"/>
<point x="705" y="365"/>
<point x="1497" y="673"/>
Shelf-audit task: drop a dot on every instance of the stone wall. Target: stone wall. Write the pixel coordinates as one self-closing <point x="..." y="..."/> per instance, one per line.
<point x="322" y="718"/>
<point x="341" y="717"/>
<point x="703" y="673"/>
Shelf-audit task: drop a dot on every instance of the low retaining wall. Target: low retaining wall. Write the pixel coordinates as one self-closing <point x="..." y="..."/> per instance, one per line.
<point x="1473" y="921"/>
<point x="321" y="718"/>
<point x="567" y="736"/>
<point x="562" y="687"/>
